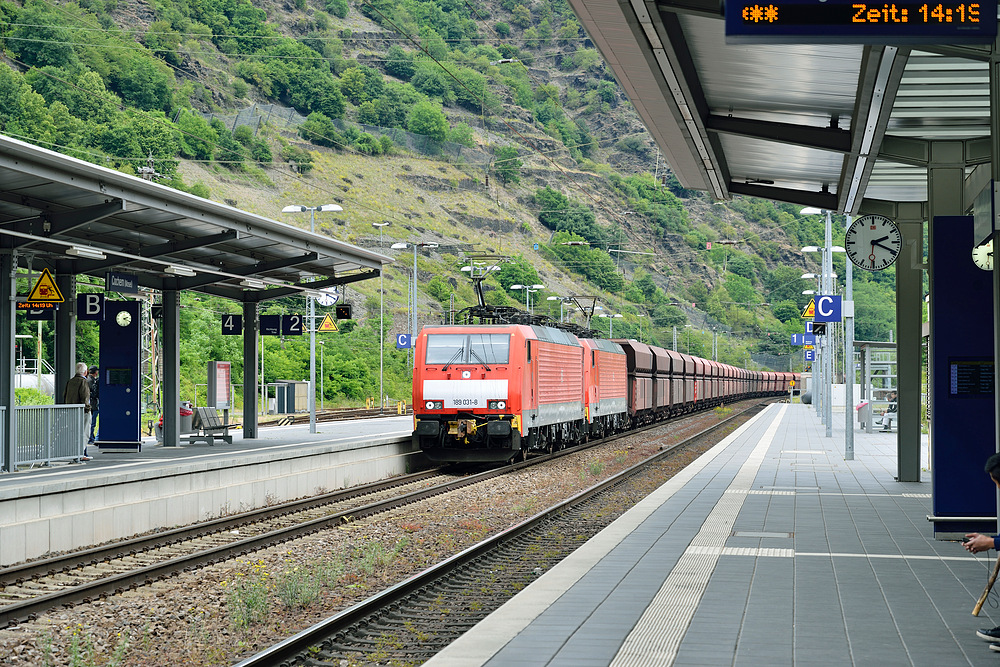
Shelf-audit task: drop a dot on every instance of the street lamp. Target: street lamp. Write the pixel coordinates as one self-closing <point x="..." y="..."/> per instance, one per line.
<point x="381" y="322"/>
<point x="295" y="208"/>
<point x="563" y="300"/>
<point x="528" y="289"/>
<point x="611" y="322"/>
<point x="413" y="292"/>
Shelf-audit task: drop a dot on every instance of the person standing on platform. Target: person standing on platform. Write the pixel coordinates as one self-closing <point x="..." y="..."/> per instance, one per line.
<point x="94" y="384"/>
<point x="975" y="542"/>
<point x="78" y="391"/>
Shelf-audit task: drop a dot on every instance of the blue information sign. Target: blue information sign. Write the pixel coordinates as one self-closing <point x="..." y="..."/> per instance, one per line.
<point x="828" y="308"/>
<point x="803" y="339"/>
<point x="402" y="341"/>
<point x="810" y="355"/>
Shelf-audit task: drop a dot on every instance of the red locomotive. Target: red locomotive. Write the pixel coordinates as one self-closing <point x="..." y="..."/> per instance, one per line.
<point x="492" y="393"/>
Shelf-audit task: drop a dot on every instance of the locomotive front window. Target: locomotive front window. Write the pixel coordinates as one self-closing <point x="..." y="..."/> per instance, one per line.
<point x="445" y="348"/>
<point x="489" y="348"/>
<point x="485" y="349"/>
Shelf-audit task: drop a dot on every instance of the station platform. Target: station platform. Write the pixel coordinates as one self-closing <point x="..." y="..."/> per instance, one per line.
<point x="770" y="549"/>
<point x="118" y="495"/>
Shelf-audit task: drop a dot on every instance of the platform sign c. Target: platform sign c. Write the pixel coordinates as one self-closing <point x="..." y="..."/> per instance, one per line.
<point x="402" y="341"/>
<point x="828" y="308"/>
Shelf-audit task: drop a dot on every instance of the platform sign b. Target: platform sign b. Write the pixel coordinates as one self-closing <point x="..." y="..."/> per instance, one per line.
<point x="90" y="306"/>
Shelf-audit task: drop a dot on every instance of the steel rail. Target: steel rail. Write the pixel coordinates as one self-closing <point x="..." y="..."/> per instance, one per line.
<point x="316" y="634"/>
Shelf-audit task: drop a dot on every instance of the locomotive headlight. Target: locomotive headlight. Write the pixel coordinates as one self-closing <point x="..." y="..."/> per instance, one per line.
<point x="496" y="404"/>
<point x="434" y="405"/>
<point x="429" y="405"/>
<point x="501" y="405"/>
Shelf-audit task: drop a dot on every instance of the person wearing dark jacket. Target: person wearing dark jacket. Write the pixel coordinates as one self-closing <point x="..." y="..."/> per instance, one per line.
<point x="975" y="542"/>
<point x="78" y="391"/>
<point x="94" y="384"/>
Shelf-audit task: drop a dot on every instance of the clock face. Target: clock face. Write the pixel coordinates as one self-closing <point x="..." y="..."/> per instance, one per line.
<point x="873" y="242"/>
<point x="982" y="255"/>
<point x="123" y="318"/>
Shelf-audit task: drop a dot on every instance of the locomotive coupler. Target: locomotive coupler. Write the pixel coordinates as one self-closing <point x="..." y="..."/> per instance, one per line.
<point x="462" y="428"/>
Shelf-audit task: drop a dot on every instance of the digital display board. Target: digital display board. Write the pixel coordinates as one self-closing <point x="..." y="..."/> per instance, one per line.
<point x="842" y="22"/>
<point x="118" y="376"/>
<point x="971" y="378"/>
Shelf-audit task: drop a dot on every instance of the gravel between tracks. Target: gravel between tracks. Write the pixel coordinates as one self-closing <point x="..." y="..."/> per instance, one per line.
<point x="187" y="620"/>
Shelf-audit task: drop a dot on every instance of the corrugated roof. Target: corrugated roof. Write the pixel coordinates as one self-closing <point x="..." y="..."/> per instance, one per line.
<point x="51" y="202"/>
<point x="842" y="127"/>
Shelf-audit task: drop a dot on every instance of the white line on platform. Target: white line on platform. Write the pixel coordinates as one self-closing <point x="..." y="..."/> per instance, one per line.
<point x="657" y="635"/>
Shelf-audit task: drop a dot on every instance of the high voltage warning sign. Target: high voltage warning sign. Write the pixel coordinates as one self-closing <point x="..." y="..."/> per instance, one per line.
<point x="43" y="295"/>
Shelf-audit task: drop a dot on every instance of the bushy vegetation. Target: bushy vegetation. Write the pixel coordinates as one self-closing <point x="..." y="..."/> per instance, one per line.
<point x="76" y="82"/>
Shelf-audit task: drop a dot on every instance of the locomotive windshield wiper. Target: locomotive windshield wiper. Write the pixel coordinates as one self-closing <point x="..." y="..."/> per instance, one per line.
<point x="454" y="357"/>
<point x="473" y="353"/>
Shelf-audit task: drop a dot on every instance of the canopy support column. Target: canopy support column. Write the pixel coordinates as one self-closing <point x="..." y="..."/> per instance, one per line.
<point x="250" y="386"/>
<point x="171" y="387"/>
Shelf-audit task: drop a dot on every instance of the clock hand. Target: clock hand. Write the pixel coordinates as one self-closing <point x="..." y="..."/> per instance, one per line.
<point x="876" y="243"/>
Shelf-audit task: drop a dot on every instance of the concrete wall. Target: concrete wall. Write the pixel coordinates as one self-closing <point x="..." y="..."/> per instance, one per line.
<point x="79" y="511"/>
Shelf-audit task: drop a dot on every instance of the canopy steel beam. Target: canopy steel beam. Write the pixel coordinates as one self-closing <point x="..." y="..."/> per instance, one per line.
<point x="823" y="138"/>
<point x="172" y="247"/>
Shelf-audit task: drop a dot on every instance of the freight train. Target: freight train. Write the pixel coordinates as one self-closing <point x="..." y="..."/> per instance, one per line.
<point x="493" y="393"/>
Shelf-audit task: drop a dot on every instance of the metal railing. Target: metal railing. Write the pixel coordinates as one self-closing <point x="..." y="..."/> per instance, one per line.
<point x="46" y="433"/>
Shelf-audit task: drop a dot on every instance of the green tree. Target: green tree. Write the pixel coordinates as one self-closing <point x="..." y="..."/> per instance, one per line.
<point x="398" y="63"/>
<point x="521" y="17"/>
<point x="352" y="85"/>
<point x="428" y="119"/>
<point x="40" y="38"/>
<point x="321" y="131"/>
<point x="144" y="83"/>
<point x="507" y="165"/>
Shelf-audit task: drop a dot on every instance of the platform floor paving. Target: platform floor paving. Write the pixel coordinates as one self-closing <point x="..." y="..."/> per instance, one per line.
<point x="771" y="549"/>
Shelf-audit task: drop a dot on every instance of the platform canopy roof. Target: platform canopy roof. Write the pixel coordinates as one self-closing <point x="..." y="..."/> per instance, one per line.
<point x="844" y="127"/>
<point x="64" y="214"/>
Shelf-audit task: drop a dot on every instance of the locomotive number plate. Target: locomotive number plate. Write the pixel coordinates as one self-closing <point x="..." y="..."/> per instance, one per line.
<point x="463" y="403"/>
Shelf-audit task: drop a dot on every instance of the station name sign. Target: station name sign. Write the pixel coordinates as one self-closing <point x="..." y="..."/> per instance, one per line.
<point x="123" y="283"/>
<point x="845" y="22"/>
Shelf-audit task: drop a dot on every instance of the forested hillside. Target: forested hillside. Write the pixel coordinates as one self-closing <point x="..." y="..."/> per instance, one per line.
<point x="489" y="128"/>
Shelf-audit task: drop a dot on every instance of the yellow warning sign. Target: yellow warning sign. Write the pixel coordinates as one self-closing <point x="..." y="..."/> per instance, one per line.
<point x="328" y="325"/>
<point x="810" y="311"/>
<point x="45" y="289"/>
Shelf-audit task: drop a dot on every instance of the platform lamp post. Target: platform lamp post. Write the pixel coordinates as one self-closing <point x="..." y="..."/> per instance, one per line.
<point x="528" y="289"/>
<point x="611" y="322"/>
<point x="295" y="208"/>
<point x="563" y="300"/>
<point x="413" y="291"/>
<point x="826" y="280"/>
<point x="381" y="323"/>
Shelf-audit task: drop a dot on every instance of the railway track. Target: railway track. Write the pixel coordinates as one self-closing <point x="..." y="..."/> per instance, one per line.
<point x="412" y="621"/>
<point x="35" y="587"/>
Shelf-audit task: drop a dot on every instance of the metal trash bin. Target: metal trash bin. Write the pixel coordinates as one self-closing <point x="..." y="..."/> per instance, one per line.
<point x="864" y="410"/>
<point x="185" y="417"/>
